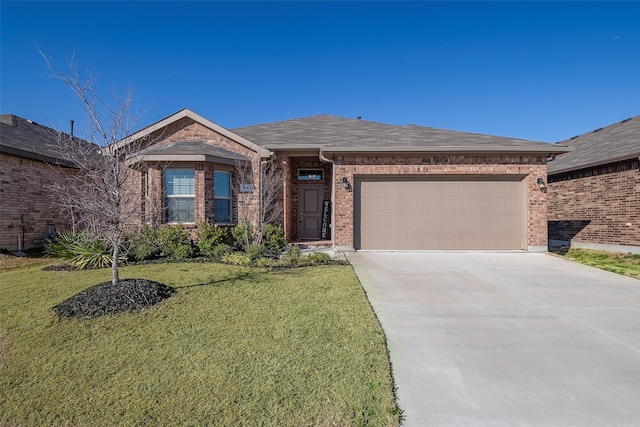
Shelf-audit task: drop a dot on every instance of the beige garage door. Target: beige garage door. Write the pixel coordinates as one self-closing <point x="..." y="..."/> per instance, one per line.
<point x="439" y="213"/>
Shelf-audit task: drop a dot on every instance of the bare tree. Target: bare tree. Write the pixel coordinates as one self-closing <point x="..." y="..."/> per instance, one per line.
<point x="265" y="207"/>
<point x="103" y="194"/>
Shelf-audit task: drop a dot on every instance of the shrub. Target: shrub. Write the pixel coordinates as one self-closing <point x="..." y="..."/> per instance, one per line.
<point x="144" y="244"/>
<point x="174" y="242"/>
<point x="220" y="251"/>
<point x="256" y="251"/>
<point x="236" y="258"/>
<point x="292" y="255"/>
<point x="318" y="258"/>
<point x="209" y="237"/>
<point x="273" y="237"/>
<point x="242" y="235"/>
<point x="268" y="262"/>
<point x="81" y="250"/>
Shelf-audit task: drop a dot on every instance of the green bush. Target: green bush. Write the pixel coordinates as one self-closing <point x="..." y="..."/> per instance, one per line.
<point x="209" y="237"/>
<point x="273" y="237"/>
<point x="242" y="235"/>
<point x="256" y="252"/>
<point x="82" y="250"/>
<point x="236" y="258"/>
<point x="144" y="244"/>
<point x="174" y="242"/>
<point x="292" y="255"/>
<point x="318" y="258"/>
<point x="220" y="251"/>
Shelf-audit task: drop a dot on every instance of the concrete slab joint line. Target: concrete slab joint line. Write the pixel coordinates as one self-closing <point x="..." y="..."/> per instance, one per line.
<point x="506" y="338"/>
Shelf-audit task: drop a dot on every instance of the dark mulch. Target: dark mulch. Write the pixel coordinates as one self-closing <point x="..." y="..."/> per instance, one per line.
<point x="60" y="267"/>
<point x="105" y="298"/>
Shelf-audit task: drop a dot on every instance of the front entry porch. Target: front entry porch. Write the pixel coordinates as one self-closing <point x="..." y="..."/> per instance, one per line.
<point x="308" y="202"/>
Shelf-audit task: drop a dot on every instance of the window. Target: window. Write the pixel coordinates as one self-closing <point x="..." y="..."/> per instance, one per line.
<point x="222" y="197"/>
<point x="310" y="175"/>
<point x="180" y="188"/>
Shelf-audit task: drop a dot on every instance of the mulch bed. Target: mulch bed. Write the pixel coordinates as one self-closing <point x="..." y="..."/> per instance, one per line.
<point x="105" y="299"/>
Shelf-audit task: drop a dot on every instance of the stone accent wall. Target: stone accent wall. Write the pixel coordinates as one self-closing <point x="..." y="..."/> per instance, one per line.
<point x="596" y="208"/>
<point x="23" y="191"/>
<point x="531" y="167"/>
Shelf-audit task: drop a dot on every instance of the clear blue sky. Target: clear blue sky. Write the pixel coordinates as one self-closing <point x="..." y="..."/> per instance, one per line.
<point x="536" y="70"/>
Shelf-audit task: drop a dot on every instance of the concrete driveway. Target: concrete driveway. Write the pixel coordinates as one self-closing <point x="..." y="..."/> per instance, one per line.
<point x="507" y="339"/>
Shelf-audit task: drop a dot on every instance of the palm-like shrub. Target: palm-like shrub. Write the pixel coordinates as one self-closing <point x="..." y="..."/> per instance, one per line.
<point x="81" y="249"/>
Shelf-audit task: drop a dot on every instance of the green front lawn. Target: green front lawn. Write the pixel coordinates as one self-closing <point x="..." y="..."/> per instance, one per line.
<point x="234" y="346"/>
<point x="627" y="264"/>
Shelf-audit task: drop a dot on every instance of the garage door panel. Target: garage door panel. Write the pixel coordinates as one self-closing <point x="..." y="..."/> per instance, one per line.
<point x="441" y="214"/>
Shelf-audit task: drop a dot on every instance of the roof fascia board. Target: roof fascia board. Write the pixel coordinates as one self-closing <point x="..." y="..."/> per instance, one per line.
<point x="185" y="158"/>
<point x="297" y="151"/>
<point x="450" y="149"/>
<point x="261" y="151"/>
<point x="35" y="156"/>
<point x="594" y="164"/>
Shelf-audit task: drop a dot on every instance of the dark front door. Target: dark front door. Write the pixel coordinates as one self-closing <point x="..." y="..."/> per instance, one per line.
<point x="310" y="210"/>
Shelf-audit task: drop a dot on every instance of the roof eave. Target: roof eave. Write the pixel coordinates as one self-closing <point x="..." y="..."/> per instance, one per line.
<point x="189" y="158"/>
<point x="551" y="149"/>
<point x="261" y="151"/>
<point x="593" y="164"/>
<point x="35" y="156"/>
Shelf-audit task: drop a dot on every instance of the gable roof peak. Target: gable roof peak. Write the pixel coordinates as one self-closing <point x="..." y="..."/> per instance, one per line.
<point x="185" y="112"/>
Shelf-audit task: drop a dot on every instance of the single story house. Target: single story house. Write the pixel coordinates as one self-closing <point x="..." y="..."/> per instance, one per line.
<point x="29" y="163"/>
<point x="594" y="191"/>
<point x="352" y="183"/>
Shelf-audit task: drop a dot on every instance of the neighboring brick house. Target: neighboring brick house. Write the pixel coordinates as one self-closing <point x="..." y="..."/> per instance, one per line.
<point x="352" y="183"/>
<point x="594" y="191"/>
<point x="29" y="163"/>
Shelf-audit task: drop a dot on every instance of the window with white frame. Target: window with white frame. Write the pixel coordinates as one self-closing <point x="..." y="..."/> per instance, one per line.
<point x="180" y="190"/>
<point x="222" y="197"/>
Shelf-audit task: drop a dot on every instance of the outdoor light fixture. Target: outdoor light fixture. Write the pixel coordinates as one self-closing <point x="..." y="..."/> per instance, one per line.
<point x="345" y="184"/>
<point x="542" y="185"/>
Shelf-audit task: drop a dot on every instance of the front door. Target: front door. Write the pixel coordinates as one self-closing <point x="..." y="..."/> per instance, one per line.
<point x="310" y="210"/>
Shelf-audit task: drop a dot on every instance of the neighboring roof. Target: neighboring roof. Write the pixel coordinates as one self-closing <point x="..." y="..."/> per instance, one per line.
<point x="613" y="143"/>
<point x="338" y="134"/>
<point x="189" y="151"/>
<point x="25" y="138"/>
<point x="263" y="152"/>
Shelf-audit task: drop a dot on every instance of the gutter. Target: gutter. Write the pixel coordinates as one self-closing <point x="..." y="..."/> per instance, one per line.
<point x="569" y="168"/>
<point x="333" y="197"/>
<point x="469" y="149"/>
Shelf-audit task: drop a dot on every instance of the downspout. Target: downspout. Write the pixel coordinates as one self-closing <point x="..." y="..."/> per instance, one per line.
<point x="333" y="197"/>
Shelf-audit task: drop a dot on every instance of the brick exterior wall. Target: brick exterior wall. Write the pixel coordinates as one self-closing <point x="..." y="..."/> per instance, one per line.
<point x="187" y="129"/>
<point x="291" y="205"/>
<point x="532" y="167"/>
<point x="598" y="208"/>
<point x="23" y="191"/>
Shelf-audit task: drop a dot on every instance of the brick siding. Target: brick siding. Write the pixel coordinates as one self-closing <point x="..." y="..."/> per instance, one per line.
<point x="187" y="129"/>
<point x="24" y="190"/>
<point x="532" y="167"/>
<point x="599" y="208"/>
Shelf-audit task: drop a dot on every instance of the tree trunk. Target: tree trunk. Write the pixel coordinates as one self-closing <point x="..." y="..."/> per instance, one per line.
<point x="115" y="273"/>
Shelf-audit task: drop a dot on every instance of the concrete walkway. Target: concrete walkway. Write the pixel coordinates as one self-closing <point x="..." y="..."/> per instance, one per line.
<point x="507" y="339"/>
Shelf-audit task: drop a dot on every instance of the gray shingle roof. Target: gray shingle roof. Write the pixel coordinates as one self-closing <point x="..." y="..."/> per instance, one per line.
<point x="192" y="148"/>
<point x="24" y="138"/>
<point x="330" y="132"/>
<point x="619" y="141"/>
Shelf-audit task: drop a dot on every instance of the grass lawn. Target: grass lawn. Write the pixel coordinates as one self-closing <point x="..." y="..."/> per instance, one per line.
<point x="627" y="264"/>
<point x="234" y="346"/>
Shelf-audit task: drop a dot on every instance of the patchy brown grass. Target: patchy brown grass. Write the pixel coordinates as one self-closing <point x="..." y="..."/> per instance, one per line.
<point x="10" y="262"/>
